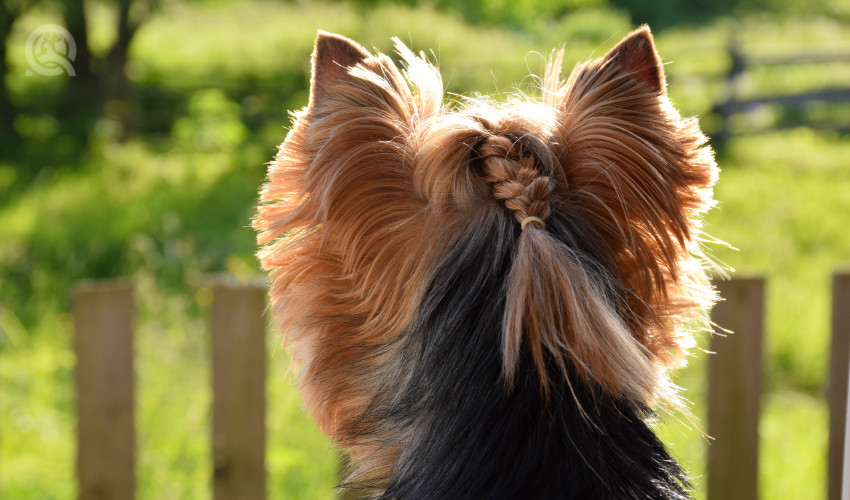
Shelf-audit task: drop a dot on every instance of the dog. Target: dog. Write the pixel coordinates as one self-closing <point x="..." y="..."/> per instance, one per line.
<point x="483" y="299"/>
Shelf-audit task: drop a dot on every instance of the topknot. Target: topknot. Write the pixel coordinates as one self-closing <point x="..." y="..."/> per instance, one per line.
<point x="516" y="179"/>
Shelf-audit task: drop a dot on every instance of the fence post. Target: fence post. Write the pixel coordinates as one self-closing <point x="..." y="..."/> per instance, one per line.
<point x="839" y="372"/>
<point x="103" y="342"/>
<point x="734" y="390"/>
<point x="239" y="390"/>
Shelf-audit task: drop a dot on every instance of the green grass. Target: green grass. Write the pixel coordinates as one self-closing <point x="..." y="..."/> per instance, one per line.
<point x="782" y="204"/>
<point x="171" y="206"/>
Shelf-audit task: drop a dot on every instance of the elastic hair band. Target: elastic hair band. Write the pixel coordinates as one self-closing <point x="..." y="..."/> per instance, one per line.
<point x="531" y="219"/>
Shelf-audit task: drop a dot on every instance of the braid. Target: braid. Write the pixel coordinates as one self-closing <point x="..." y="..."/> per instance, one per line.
<point x="516" y="179"/>
<point x="552" y="300"/>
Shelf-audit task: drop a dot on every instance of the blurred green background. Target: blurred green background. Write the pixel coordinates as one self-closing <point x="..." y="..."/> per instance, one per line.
<point x="147" y="163"/>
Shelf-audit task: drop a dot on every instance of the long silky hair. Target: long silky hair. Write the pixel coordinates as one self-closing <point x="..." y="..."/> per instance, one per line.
<point x="484" y="300"/>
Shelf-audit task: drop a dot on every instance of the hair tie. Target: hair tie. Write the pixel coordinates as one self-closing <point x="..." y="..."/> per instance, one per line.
<point x="531" y="219"/>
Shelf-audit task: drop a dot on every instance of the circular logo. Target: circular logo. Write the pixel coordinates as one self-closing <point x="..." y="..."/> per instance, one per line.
<point x="50" y="48"/>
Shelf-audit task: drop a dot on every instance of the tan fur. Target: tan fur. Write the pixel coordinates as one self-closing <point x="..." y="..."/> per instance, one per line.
<point x="377" y="177"/>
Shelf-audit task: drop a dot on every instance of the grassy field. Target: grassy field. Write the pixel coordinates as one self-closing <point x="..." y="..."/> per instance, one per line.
<point x="172" y="203"/>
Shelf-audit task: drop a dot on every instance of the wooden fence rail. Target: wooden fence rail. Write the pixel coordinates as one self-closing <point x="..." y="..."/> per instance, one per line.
<point x="106" y="445"/>
<point x="740" y="63"/>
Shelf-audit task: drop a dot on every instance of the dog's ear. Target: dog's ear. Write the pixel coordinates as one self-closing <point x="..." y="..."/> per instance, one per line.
<point x="636" y="55"/>
<point x="333" y="56"/>
<point x="342" y="222"/>
<point x="635" y="172"/>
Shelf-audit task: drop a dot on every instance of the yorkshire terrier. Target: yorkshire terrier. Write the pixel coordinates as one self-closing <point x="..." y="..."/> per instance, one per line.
<point x="484" y="299"/>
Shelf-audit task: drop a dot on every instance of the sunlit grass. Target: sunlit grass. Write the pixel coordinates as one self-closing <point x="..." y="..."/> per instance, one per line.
<point x="36" y="411"/>
<point x="784" y="205"/>
<point x="168" y="210"/>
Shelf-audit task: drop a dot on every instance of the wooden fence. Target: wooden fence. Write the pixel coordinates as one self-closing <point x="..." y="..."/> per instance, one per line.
<point x="106" y="445"/>
<point x="741" y="63"/>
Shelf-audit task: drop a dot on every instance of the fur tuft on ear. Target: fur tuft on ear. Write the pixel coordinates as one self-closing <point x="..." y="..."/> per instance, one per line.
<point x="333" y="56"/>
<point x="640" y="176"/>
<point x="636" y="55"/>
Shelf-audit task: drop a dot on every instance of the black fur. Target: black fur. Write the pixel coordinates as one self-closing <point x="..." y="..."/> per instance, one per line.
<point x="469" y="436"/>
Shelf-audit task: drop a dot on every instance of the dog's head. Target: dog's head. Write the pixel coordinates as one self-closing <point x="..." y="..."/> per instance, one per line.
<point x="597" y="183"/>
